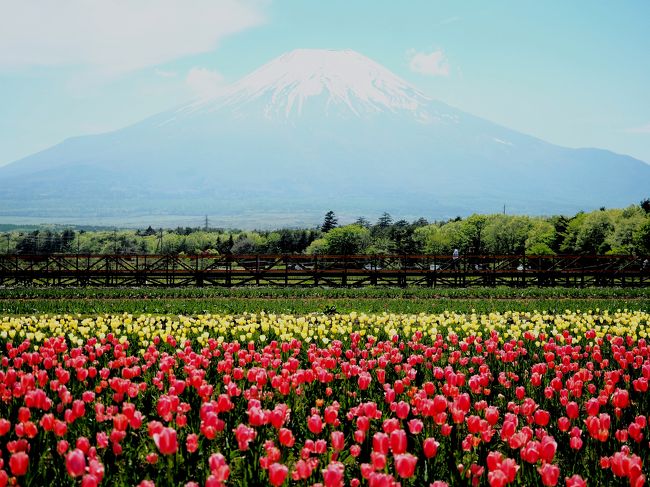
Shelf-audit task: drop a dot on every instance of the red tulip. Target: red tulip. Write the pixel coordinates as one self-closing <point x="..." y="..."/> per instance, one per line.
<point x="549" y="474"/>
<point x="439" y="403"/>
<point x="563" y="424"/>
<point x="402" y="410"/>
<point x="363" y="423"/>
<point x="302" y="470"/>
<point x="572" y="410"/>
<point x="497" y="478"/>
<point x="621" y="398"/>
<point x="510" y="468"/>
<point x="364" y="381"/>
<point x="548" y="449"/>
<point x="315" y="424"/>
<point x="575" y="443"/>
<point x="75" y="463"/>
<point x="166" y="441"/>
<point x="398" y="441"/>
<point x="381" y="442"/>
<point x="542" y="417"/>
<point x="244" y="436"/>
<point x="62" y="447"/>
<point x="430" y="447"/>
<point x="338" y="440"/>
<point x="218" y="467"/>
<point x="60" y="428"/>
<point x="575" y="481"/>
<point x="192" y="442"/>
<point x="359" y="436"/>
<point x="18" y="463"/>
<point x="286" y="438"/>
<point x="405" y="465"/>
<point x="89" y="481"/>
<point x="5" y="426"/>
<point x="492" y="415"/>
<point x="333" y="475"/>
<point x="277" y="473"/>
<point x="120" y="422"/>
<point x="96" y="468"/>
<point x="378" y="460"/>
<point x="24" y="414"/>
<point x="531" y="452"/>
<point x="592" y="406"/>
<point x="366" y="470"/>
<point x="415" y="426"/>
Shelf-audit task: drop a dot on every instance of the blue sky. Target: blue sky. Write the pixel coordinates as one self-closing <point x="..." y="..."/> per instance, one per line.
<point x="572" y="73"/>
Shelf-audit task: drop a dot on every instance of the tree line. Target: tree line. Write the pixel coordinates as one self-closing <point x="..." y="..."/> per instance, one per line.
<point x="605" y="231"/>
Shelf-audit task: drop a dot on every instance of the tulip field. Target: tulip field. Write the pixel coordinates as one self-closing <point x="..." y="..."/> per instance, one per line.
<point x="430" y="399"/>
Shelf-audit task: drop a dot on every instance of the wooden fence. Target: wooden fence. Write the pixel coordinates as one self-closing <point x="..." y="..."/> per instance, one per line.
<point x="323" y="270"/>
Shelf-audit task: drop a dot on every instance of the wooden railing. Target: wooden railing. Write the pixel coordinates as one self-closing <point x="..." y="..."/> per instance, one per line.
<point x="322" y="270"/>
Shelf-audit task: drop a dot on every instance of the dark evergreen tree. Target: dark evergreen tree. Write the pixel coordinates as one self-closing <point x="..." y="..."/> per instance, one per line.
<point x="362" y="221"/>
<point x="385" y="220"/>
<point x="420" y="222"/>
<point x="329" y="222"/>
<point x="560" y="223"/>
<point x="645" y="205"/>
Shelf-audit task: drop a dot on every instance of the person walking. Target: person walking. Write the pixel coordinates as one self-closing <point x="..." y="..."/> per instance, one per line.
<point x="454" y="257"/>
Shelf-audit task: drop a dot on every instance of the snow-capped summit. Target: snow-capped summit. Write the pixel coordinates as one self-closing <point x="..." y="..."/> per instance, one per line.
<point x="345" y="81"/>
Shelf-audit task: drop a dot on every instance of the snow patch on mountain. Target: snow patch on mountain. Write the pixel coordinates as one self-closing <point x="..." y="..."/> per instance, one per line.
<point x="347" y="82"/>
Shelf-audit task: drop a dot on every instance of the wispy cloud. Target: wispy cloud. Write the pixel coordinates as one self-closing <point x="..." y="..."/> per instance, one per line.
<point x="643" y="129"/>
<point x="119" y="35"/>
<point x="204" y="82"/>
<point x="432" y="64"/>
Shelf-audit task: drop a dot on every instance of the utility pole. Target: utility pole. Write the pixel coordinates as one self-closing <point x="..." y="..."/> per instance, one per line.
<point x="206" y="223"/>
<point x="504" y="209"/>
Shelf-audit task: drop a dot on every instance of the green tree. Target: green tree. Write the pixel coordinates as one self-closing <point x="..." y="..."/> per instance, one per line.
<point x="473" y="227"/>
<point x="506" y="234"/>
<point x="592" y="235"/>
<point x="351" y="239"/>
<point x="645" y="205"/>
<point x="642" y="237"/>
<point x="541" y="238"/>
<point x="362" y="221"/>
<point x="441" y="239"/>
<point x="621" y="239"/>
<point x="318" y="246"/>
<point x="560" y="224"/>
<point x="244" y="246"/>
<point x="330" y="222"/>
<point x="571" y="230"/>
<point x="385" y="220"/>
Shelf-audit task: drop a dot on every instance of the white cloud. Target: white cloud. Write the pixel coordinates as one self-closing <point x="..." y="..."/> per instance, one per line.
<point x="204" y="82"/>
<point x="643" y="129"/>
<point x="432" y="64"/>
<point x="116" y="36"/>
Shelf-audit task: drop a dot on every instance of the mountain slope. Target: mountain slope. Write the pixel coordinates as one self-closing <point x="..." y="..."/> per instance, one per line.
<point x="315" y="129"/>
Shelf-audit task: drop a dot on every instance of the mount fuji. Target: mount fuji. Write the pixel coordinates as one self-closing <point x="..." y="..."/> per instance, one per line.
<point x="309" y="131"/>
